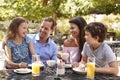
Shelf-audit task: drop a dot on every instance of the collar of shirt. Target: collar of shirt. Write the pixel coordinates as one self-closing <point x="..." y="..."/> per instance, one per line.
<point x="37" y="39"/>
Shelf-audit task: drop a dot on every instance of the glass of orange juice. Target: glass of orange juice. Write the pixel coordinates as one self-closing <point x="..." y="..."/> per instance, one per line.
<point x="91" y="67"/>
<point x="35" y="65"/>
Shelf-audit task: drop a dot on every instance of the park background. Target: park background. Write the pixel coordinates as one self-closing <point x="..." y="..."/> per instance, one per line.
<point x="105" y="11"/>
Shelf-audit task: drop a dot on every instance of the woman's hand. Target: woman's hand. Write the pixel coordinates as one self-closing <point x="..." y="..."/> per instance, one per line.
<point x="59" y="56"/>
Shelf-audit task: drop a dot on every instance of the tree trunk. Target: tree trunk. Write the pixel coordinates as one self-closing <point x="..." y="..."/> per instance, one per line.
<point x="44" y="2"/>
<point x="54" y="16"/>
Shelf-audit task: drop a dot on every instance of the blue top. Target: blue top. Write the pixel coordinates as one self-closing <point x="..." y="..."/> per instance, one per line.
<point x="20" y="52"/>
<point x="47" y="51"/>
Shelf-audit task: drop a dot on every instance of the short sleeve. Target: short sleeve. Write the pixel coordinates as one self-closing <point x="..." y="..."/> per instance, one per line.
<point x="27" y="40"/>
<point x="9" y="43"/>
<point x="109" y="55"/>
<point x="84" y="50"/>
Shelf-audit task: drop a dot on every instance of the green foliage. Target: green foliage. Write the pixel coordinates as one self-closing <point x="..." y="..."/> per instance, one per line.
<point x="1" y="36"/>
<point x="106" y="6"/>
<point x="62" y="31"/>
<point x="36" y="9"/>
<point x="117" y="30"/>
<point x="31" y="9"/>
<point x="109" y="21"/>
<point x="63" y="26"/>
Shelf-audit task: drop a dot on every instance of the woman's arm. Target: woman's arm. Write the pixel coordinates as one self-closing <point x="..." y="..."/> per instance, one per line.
<point x="9" y="62"/>
<point x="112" y="69"/>
<point x="65" y="44"/>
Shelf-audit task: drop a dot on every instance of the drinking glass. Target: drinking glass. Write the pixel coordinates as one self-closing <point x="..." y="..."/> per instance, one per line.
<point x="35" y="65"/>
<point x="91" y="67"/>
<point x="51" y="67"/>
<point x="60" y="68"/>
<point x="2" y="59"/>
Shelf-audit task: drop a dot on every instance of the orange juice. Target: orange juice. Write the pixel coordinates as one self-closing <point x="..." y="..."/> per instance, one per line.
<point x="35" y="69"/>
<point x="90" y="70"/>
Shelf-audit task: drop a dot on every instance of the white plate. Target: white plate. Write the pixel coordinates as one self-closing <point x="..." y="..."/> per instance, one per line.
<point x="77" y="70"/>
<point x="23" y="71"/>
<point x="68" y="65"/>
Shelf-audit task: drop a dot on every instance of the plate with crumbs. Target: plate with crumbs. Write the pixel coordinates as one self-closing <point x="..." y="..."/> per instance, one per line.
<point x="22" y="71"/>
<point x="79" y="71"/>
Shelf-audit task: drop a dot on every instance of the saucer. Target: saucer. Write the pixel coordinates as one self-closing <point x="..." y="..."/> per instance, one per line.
<point x="77" y="70"/>
<point x="68" y="65"/>
<point x="23" y="70"/>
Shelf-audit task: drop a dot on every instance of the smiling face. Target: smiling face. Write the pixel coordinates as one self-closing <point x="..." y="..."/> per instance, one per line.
<point x="22" y="29"/>
<point x="74" y="30"/>
<point x="45" y="29"/>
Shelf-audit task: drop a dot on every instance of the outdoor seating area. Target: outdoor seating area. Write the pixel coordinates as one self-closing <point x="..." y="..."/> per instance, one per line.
<point x="115" y="45"/>
<point x="70" y="74"/>
<point x="117" y="53"/>
<point x="60" y="40"/>
<point x="111" y="35"/>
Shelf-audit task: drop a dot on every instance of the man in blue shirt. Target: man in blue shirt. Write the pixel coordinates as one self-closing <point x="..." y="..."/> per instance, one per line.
<point x="44" y="46"/>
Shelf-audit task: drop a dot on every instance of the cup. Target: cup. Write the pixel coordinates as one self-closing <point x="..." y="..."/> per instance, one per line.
<point x="64" y="56"/>
<point x="60" y="68"/>
<point x="51" y="63"/>
<point x="91" y="67"/>
<point x="111" y="38"/>
<point x="2" y="60"/>
<point x="50" y="69"/>
<point x="35" y="65"/>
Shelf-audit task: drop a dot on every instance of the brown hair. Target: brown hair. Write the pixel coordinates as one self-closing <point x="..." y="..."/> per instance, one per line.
<point x="13" y="27"/>
<point x="50" y="20"/>
<point x="81" y="23"/>
<point x="97" y="29"/>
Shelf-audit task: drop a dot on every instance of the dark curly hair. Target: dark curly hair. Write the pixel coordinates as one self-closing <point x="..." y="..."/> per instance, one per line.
<point x="97" y="29"/>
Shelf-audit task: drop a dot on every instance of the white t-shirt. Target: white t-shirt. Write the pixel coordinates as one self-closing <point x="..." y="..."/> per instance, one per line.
<point x="103" y="54"/>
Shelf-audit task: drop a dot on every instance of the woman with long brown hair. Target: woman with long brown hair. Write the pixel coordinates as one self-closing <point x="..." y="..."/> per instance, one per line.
<point x="74" y="44"/>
